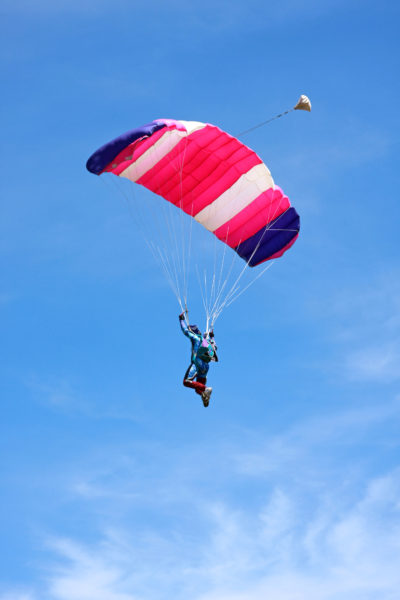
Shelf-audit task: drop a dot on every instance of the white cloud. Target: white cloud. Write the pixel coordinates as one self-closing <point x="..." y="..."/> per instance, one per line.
<point x="363" y="322"/>
<point x="68" y="396"/>
<point x="86" y="574"/>
<point x="296" y="453"/>
<point x="17" y="595"/>
<point x="287" y="520"/>
<point x="352" y="144"/>
<point x="246" y="554"/>
<point x="381" y="363"/>
<point x="58" y="393"/>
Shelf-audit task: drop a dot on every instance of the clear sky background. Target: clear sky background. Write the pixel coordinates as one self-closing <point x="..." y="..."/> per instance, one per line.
<point x="116" y="484"/>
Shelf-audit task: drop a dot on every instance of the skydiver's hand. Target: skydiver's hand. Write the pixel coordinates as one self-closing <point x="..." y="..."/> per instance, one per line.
<point x="182" y="316"/>
<point x="211" y="333"/>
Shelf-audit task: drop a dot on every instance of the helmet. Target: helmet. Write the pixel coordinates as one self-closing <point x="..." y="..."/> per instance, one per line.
<point x="195" y="329"/>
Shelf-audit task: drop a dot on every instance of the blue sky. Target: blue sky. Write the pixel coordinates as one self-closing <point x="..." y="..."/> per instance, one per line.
<point x="116" y="483"/>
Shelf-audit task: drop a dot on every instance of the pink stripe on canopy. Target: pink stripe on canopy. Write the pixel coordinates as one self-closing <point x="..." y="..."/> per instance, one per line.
<point x="264" y="209"/>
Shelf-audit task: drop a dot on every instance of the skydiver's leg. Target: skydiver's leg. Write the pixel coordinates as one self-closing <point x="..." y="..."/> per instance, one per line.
<point x="196" y="385"/>
<point x="202" y="381"/>
<point x="190" y="376"/>
<point x="201" y="372"/>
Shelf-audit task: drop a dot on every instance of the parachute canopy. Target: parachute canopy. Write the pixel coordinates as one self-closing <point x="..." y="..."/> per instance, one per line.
<point x="212" y="177"/>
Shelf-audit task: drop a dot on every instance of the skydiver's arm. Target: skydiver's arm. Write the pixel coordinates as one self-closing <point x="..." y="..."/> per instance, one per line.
<point x="186" y="330"/>
<point x="184" y="327"/>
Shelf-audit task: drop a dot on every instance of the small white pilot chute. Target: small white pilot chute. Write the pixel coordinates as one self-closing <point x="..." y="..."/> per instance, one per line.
<point x="303" y="104"/>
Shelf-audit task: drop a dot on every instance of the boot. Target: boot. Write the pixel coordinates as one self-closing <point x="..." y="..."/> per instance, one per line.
<point x="206" y="396"/>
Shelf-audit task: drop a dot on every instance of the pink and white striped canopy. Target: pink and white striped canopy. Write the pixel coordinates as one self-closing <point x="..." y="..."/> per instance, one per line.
<point x="211" y="176"/>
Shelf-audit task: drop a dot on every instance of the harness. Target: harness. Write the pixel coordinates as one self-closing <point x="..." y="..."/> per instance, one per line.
<point x="205" y="351"/>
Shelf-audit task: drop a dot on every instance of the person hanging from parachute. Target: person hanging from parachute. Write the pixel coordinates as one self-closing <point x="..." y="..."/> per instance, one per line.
<point x="204" y="350"/>
<point x="224" y="186"/>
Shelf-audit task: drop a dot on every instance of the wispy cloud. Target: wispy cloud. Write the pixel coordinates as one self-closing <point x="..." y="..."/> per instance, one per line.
<point x="379" y="363"/>
<point x="363" y="324"/>
<point x="17" y="595"/>
<point x="373" y="331"/>
<point x="351" y="145"/>
<point x="282" y="521"/>
<point x="65" y="395"/>
<point x="58" y="393"/>
<point x="88" y="573"/>
<point x="273" y="551"/>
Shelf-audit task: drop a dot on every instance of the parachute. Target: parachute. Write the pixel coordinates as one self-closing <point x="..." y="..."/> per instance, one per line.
<point x="211" y="176"/>
<point x="218" y="182"/>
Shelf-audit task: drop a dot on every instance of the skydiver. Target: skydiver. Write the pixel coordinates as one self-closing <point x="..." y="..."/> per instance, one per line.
<point x="204" y="350"/>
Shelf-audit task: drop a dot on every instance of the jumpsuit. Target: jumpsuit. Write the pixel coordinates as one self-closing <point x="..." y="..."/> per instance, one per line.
<point x="198" y="368"/>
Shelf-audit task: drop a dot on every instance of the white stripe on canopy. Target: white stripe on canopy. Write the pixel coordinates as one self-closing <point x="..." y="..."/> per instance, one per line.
<point x="242" y="193"/>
